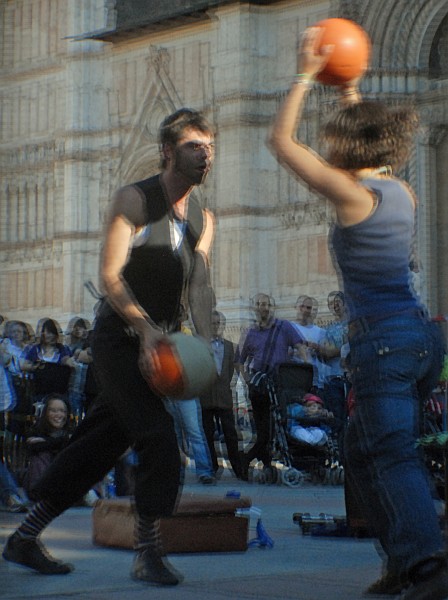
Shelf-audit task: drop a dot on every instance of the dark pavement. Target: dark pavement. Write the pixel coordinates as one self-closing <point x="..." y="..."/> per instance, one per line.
<point x="303" y="567"/>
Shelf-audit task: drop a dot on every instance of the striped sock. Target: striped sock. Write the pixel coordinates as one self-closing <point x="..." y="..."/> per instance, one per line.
<point x="147" y="534"/>
<point x="41" y="515"/>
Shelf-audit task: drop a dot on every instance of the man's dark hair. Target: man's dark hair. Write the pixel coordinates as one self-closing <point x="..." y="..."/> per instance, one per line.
<point x="174" y="125"/>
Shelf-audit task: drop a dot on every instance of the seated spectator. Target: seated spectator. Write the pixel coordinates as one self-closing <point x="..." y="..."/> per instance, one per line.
<point x="309" y="421"/>
<point x="48" y="437"/>
<point x="49" y="360"/>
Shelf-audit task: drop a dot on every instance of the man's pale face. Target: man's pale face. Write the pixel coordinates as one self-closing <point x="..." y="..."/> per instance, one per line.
<point x="338" y="306"/>
<point x="306" y="311"/>
<point x="263" y="308"/>
<point x="193" y="156"/>
<point x="216" y="325"/>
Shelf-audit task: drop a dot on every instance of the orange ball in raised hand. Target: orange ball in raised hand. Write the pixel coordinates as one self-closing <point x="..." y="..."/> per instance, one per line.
<point x="350" y="55"/>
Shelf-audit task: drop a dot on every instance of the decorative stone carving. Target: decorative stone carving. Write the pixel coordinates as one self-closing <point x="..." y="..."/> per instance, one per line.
<point x="433" y="135"/>
<point x="310" y="212"/>
<point x="158" y="59"/>
<point x="408" y="37"/>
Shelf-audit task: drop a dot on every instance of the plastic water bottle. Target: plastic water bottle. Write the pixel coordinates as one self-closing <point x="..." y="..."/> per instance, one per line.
<point x="111" y="491"/>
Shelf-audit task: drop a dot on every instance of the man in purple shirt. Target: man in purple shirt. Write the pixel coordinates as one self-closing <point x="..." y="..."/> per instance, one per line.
<point x="262" y="348"/>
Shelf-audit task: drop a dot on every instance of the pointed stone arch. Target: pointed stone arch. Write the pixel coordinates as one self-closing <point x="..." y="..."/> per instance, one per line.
<point x="402" y="32"/>
<point x="140" y="154"/>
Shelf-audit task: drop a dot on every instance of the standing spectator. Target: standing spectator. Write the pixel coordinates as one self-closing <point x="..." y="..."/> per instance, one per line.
<point x="3" y="321"/>
<point x="307" y="308"/>
<point x="396" y="352"/>
<point x="156" y="248"/>
<point x="336" y="384"/>
<point x="91" y="389"/>
<point x="265" y="345"/>
<point x="78" y="330"/>
<point x="189" y="428"/>
<point x="217" y="404"/>
<point x="187" y="416"/>
<point x="7" y="393"/>
<point x="49" y="361"/>
<point x="9" y="492"/>
<point x="15" y="340"/>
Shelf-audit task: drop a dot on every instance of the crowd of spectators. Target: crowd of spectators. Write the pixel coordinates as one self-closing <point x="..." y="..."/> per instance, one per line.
<point x="51" y="383"/>
<point x="271" y="342"/>
<point x="44" y="361"/>
<point x="49" y="366"/>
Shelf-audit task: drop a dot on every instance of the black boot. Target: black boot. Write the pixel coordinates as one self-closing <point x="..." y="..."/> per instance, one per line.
<point x="28" y="552"/>
<point x="151" y="567"/>
<point x="429" y="580"/>
<point x="150" y="563"/>
<point x="390" y="584"/>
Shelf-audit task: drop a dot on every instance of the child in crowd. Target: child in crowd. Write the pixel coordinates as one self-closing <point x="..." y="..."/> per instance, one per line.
<point x="309" y="421"/>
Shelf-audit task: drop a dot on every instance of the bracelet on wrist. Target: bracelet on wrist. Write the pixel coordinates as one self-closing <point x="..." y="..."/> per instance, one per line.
<point x="303" y="78"/>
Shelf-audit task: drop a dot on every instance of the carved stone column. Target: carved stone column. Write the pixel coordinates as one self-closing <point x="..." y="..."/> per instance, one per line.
<point x="434" y="215"/>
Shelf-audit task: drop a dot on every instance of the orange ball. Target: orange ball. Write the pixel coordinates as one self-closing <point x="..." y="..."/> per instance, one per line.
<point x="351" y="51"/>
<point x="168" y="379"/>
<point x="186" y="367"/>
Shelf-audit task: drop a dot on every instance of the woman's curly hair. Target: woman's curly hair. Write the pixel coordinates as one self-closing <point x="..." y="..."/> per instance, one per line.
<point x="370" y="134"/>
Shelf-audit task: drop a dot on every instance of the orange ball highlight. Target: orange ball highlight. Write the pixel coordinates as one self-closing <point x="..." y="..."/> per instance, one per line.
<point x="168" y="380"/>
<point x="351" y="53"/>
<point x="186" y="367"/>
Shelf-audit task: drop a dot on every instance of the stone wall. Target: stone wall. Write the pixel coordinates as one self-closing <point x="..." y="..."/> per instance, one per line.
<point x="81" y="116"/>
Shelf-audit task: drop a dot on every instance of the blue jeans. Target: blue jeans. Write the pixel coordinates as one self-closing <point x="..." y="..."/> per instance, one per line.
<point x="190" y="434"/>
<point x="335" y="398"/>
<point x="8" y="486"/>
<point x="395" y="364"/>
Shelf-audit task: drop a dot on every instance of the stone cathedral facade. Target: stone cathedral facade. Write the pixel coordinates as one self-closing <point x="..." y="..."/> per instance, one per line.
<point x="85" y="85"/>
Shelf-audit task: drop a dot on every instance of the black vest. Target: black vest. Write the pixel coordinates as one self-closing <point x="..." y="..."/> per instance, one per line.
<point x="156" y="274"/>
